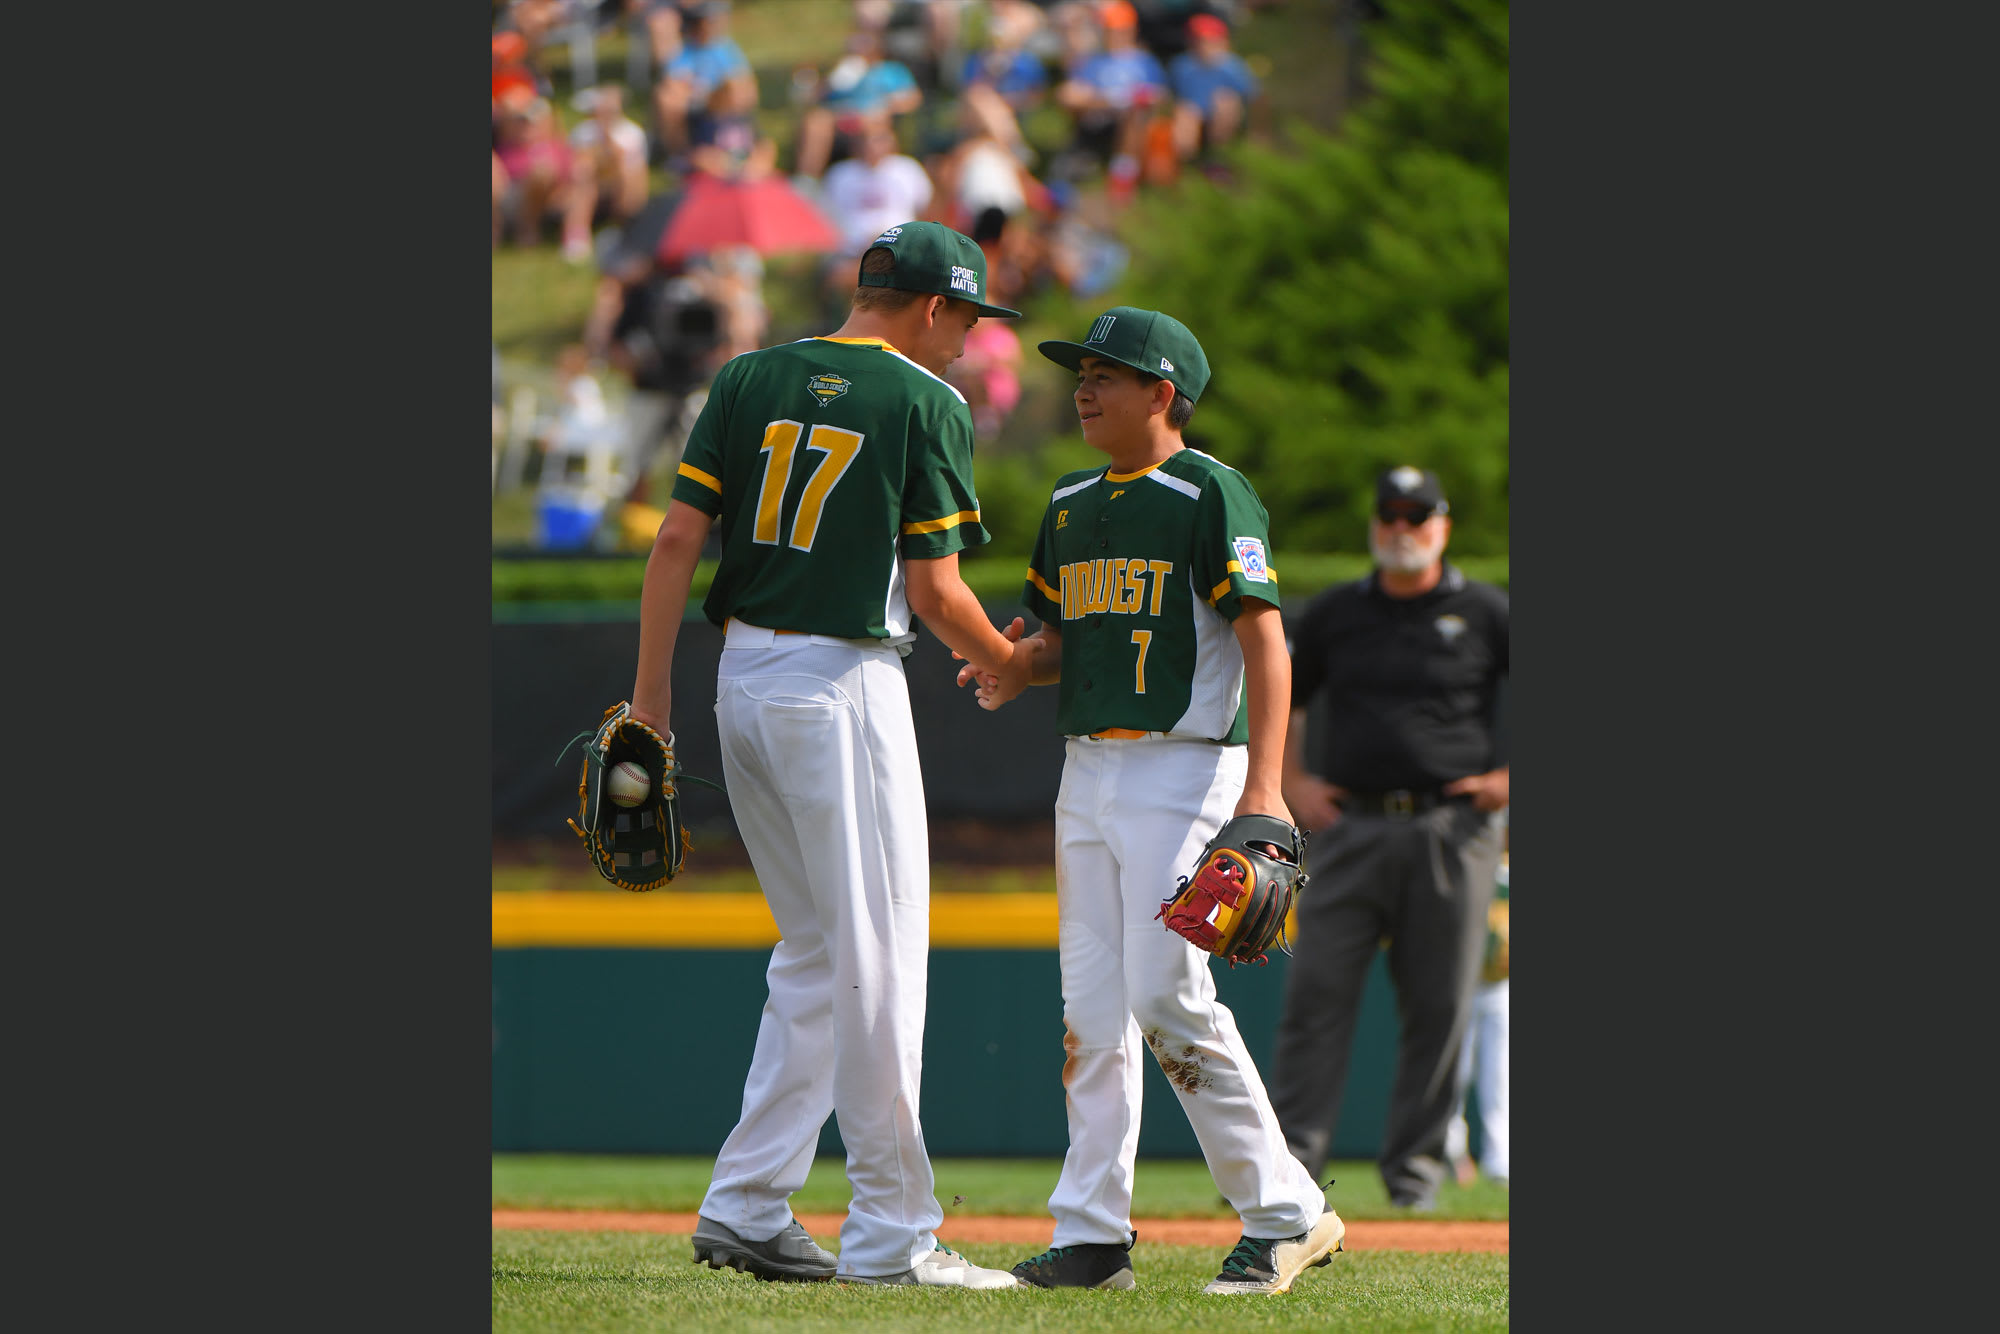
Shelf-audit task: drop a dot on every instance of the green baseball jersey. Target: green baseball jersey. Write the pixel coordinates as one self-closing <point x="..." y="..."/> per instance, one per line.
<point x="1497" y="963"/>
<point x="830" y="460"/>
<point x="1142" y="574"/>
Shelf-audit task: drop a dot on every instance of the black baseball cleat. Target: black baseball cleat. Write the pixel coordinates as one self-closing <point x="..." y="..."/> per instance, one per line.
<point x="790" y="1257"/>
<point x="1269" y="1264"/>
<point x="1099" y="1264"/>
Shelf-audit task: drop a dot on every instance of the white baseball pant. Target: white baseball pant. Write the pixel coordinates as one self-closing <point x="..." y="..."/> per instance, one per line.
<point x="820" y="757"/>
<point x="1483" y="1062"/>
<point x="1131" y="817"/>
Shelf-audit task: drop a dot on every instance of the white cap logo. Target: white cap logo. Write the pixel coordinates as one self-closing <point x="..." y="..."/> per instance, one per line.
<point x="1166" y="365"/>
<point x="1406" y="479"/>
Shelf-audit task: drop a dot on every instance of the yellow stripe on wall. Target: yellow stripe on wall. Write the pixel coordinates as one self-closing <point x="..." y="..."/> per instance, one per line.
<point x="664" y="919"/>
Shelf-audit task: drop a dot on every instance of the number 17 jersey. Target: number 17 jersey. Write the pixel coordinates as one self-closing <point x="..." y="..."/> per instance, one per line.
<point x="830" y="462"/>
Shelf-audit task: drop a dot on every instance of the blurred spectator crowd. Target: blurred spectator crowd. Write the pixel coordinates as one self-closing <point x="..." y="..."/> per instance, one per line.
<point x="663" y="175"/>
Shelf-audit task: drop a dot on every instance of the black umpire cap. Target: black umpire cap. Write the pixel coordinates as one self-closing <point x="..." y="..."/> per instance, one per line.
<point x="1413" y="486"/>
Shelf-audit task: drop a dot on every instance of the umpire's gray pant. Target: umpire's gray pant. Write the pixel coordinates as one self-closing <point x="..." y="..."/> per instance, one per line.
<point x="1424" y="883"/>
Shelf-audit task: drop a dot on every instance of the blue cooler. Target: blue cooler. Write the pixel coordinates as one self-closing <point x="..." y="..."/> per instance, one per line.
<point x="565" y="520"/>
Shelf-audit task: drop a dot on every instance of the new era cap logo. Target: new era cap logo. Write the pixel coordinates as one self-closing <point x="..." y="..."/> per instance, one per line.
<point x="1102" y="329"/>
<point x="1166" y="365"/>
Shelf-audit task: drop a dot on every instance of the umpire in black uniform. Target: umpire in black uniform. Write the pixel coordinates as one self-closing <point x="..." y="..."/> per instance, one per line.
<point x="1403" y="798"/>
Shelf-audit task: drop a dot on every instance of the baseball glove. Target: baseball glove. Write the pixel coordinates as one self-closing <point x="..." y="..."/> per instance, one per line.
<point x="1235" y="904"/>
<point x="634" y="847"/>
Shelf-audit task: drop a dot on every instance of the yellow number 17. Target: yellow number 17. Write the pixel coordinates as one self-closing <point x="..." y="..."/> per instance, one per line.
<point x="781" y="439"/>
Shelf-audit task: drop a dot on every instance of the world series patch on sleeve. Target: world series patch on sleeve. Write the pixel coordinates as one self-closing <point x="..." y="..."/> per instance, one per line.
<point x="1235" y="903"/>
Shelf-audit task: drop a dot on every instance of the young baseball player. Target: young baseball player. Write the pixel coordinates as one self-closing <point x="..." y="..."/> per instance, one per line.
<point x="841" y="468"/>
<point x="1153" y="582"/>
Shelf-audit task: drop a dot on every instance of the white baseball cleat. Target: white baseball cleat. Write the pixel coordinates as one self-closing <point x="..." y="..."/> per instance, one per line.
<point x="942" y="1268"/>
<point x="1262" y="1265"/>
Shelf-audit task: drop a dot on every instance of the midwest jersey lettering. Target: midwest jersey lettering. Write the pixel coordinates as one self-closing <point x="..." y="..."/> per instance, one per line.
<point x="1143" y="574"/>
<point x="1117" y="585"/>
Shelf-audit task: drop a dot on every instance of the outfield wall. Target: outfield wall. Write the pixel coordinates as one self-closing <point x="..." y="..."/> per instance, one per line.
<point x="609" y="1036"/>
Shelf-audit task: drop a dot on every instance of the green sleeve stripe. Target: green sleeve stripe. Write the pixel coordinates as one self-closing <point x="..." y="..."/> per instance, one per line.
<point x="939" y="525"/>
<point x="689" y="470"/>
<point x="568" y="919"/>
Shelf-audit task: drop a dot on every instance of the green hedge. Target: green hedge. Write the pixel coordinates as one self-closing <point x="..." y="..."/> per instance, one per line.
<point x="995" y="580"/>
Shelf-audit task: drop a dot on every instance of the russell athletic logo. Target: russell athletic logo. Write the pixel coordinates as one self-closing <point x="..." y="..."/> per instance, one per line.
<point x="826" y="388"/>
<point x="1102" y="329"/>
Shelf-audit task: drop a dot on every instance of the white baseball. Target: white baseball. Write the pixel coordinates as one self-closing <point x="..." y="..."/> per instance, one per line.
<point x="628" y="784"/>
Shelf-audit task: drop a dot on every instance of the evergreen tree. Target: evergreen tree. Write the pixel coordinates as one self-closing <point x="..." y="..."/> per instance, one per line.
<point x="1352" y="288"/>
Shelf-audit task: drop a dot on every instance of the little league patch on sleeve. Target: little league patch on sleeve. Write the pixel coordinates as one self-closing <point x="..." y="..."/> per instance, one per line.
<point x="1250" y="555"/>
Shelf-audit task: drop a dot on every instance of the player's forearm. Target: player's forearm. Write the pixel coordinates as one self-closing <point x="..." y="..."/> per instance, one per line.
<point x="662" y="604"/>
<point x="1268" y="676"/>
<point x="956" y="617"/>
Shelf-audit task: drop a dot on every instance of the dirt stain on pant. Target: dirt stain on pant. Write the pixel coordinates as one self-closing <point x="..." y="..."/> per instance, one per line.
<point x="1071" y="1044"/>
<point x="1185" y="1071"/>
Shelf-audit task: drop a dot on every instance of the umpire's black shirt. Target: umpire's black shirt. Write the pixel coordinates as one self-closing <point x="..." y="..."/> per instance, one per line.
<point x="1410" y="683"/>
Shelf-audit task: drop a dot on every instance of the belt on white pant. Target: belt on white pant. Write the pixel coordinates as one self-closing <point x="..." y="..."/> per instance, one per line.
<point x="742" y="634"/>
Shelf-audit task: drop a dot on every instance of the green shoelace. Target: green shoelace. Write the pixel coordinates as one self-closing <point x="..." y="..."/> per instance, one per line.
<point x="1050" y="1256"/>
<point x="1248" y="1252"/>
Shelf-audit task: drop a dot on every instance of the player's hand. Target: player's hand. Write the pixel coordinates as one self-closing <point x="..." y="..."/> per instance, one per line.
<point x="1315" y="801"/>
<point x="1263" y="801"/>
<point x="1488" y="790"/>
<point x="1011" y="679"/>
<point x="968" y="672"/>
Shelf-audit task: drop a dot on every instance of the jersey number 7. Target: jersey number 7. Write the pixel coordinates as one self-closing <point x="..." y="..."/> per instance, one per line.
<point x="781" y="440"/>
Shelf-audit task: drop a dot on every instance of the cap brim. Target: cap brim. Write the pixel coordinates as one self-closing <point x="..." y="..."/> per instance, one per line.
<point x="1071" y="355"/>
<point x="997" y="310"/>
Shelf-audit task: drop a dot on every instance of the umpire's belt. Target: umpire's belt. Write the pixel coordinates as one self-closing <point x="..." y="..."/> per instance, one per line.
<point x="1399" y="801"/>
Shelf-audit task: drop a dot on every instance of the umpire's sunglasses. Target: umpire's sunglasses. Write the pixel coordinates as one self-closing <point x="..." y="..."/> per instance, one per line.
<point x="1412" y="514"/>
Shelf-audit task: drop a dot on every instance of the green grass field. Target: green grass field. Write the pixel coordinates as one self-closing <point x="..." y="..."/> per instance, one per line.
<point x="1161" y="1188"/>
<point x="648" y="1281"/>
<point x="600" y="1281"/>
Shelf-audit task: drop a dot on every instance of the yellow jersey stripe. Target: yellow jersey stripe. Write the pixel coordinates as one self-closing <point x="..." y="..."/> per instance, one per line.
<point x="1111" y="476"/>
<point x="939" y="525"/>
<point x="1042" y="584"/>
<point x="1271" y="574"/>
<point x="1215" y="594"/>
<point x="713" y="484"/>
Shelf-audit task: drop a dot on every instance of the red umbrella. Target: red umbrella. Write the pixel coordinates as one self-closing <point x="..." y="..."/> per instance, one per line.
<point x="766" y="214"/>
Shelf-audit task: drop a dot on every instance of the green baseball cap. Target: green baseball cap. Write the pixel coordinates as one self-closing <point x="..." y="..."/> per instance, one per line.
<point x="931" y="257"/>
<point x="1146" y="341"/>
